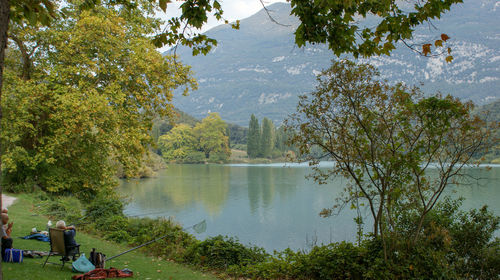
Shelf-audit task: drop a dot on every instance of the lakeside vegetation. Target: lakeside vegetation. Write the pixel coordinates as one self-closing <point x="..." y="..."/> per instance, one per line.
<point x="29" y="211"/>
<point x="86" y="97"/>
<point x="458" y="245"/>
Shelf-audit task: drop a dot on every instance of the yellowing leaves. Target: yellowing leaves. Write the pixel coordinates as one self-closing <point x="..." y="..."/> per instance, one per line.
<point x="426" y="49"/>
<point x="94" y="109"/>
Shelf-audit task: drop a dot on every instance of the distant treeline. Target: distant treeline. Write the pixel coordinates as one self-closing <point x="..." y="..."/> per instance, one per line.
<point x="237" y="134"/>
<point x="266" y="141"/>
<point x="174" y="138"/>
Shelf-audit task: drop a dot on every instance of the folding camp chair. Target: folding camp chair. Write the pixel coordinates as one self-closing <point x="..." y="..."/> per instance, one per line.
<point x="58" y="248"/>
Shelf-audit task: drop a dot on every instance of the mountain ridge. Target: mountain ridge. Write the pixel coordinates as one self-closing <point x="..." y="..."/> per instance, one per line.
<point x="258" y="69"/>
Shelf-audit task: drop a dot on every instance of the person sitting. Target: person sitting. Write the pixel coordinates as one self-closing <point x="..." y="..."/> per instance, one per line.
<point x="5" y="231"/>
<point x="69" y="238"/>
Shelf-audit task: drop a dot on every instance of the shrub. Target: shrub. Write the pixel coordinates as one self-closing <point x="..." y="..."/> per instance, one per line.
<point x="114" y="228"/>
<point x="222" y="252"/>
<point x="104" y="206"/>
<point x="194" y="157"/>
<point x="218" y="157"/>
<point x="65" y="208"/>
<point x="173" y="246"/>
<point x="476" y="254"/>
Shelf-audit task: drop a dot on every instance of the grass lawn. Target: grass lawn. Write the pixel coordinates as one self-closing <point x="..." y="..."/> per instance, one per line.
<point x="143" y="266"/>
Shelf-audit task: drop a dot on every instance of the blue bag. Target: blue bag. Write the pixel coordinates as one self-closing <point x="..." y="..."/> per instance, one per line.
<point x="82" y="265"/>
<point x="13" y="255"/>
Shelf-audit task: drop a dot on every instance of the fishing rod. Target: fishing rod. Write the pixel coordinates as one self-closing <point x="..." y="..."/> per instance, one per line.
<point x="147" y="214"/>
<point x="81" y="221"/>
<point x="199" y="228"/>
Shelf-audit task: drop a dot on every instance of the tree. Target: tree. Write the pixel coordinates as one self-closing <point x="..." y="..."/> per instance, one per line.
<point x="384" y="139"/>
<point x="178" y="143"/>
<point x="253" y="142"/>
<point x="97" y="85"/>
<point x="213" y="138"/>
<point x="338" y="24"/>
<point x="194" y="15"/>
<point x="267" y="138"/>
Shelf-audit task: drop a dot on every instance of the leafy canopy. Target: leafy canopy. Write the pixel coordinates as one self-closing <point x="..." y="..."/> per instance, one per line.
<point x="179" y="30"/>
<point x="338" y="23"/>
<point x="96" y="85"/>
<point x="206" y="141"/>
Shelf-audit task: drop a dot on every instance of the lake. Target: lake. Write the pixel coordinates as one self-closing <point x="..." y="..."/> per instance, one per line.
<point x="273" y="206"/>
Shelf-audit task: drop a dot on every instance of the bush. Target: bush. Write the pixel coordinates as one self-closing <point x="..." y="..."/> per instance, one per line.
<point x="172" y="246"/>
<point x="218" y="157"/>
<point x="475" y="253"/>
<point x="194" y="157"/>
<point x="104" y="206"/>
<point x="114" y="228"/>
<point x="17" y="185"/>
<point x="222" y="252"/>
<point x="65" y="208"/>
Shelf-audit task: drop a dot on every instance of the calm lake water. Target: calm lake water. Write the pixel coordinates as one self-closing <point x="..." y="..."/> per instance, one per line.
<point x="273" y="206"/>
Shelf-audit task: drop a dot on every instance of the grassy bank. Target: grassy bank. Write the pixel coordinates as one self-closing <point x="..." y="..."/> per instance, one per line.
<point x="24" y="215"/>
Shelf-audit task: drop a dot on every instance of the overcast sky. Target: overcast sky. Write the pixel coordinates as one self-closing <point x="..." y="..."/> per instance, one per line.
<point x="233" y="10"/>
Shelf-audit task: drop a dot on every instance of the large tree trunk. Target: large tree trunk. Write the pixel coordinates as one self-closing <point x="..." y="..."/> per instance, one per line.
<point x="4" y="26"/>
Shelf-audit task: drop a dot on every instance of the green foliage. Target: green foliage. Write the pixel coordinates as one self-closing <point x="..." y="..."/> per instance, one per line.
<point x="223" y="252"/>
<point x="253" y="142"/>
<point x="178" y="143"/>
<point x="237" y="134"/>
<point x="67" y="208"/>
<point x="163" y="126"/>
<point x="454" y="245"/>
<point x="268" y="141"/>
<point x="383" y="138"/>
<point x="103" y="206"/>
<point x="212" y="136"/>
<point x="102" y="65"/>
<point x="194" y="157"/>
<point x="338" y="24"/>
<point x="207" y="141"/>
<point x="172" y="247"/>
<point x="267" y="138"/>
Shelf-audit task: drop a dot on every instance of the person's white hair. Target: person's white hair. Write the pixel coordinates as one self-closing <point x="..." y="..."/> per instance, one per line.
<point x="61" y="224"/>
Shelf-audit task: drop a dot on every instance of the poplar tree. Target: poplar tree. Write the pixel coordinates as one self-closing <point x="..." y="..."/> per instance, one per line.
<point x="267" y="141"/>
<point x="253" y="144"/>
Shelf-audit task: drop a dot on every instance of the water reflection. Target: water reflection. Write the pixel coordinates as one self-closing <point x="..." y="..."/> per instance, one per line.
<point x="181" y="187"/>
<point x="270" y="206"/>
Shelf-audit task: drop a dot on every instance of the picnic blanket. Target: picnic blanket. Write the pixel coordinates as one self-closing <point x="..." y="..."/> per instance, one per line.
<point x="37" y="236"/>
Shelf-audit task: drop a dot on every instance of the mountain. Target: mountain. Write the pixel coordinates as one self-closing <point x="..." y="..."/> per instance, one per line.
<point x="258" y="69"/>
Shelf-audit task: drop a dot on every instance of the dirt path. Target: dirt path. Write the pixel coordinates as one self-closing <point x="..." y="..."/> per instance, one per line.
<point x="7" y="200"/>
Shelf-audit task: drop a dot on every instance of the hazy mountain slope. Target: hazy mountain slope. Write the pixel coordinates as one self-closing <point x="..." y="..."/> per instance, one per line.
<point x="258" y="69"/>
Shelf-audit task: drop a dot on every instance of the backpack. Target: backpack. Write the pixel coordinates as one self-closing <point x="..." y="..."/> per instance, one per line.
<point x="97" y="259"/>
<point x="82" y="265"/>
<point x="13" y="255"/>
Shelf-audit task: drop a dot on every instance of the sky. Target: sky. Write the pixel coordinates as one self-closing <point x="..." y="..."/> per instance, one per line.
<point x="233" y="10"/>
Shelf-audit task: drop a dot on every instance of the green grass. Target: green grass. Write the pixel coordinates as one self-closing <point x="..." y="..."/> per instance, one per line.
<point x="23" y="214"/>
